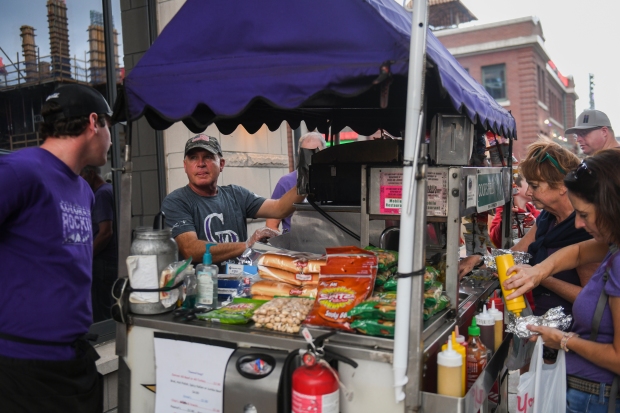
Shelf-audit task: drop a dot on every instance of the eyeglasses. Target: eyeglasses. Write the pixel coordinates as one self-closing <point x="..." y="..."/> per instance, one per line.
<point x="583" y="132"/>
<point x="549" y="158"/>
<point x="119" y="311"/>
<point x="582" y="170"/>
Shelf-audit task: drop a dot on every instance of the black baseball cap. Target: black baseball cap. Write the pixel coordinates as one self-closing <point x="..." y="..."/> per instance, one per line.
<point x="206" y="142"/>
<point x="77" y="100"/>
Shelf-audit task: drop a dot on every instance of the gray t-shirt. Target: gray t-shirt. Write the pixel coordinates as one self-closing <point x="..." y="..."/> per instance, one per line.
<point x="219" y="218"/>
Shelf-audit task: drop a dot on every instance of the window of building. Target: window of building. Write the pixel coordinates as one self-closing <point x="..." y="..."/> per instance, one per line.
<point x="541" y="85"/>
<point x="494" y="81"/>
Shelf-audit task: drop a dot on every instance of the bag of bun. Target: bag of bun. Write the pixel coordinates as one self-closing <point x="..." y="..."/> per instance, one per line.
<point x="345" y="280"/>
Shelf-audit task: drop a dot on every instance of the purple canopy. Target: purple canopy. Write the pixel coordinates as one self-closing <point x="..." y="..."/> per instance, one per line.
<point x="262" y="62"/>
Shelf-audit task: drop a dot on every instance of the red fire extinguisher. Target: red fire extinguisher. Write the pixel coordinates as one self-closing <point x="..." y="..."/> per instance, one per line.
<point x="315" y="387"/>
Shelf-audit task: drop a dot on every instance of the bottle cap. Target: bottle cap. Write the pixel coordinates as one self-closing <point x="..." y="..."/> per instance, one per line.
<point x="449" y="357"/>
<point x="484" y="318"/>
<point x="495" y="313"/>
<point x="459" y="337"/>
<point x="207" y="258"/>
<point x="473" y="329"/>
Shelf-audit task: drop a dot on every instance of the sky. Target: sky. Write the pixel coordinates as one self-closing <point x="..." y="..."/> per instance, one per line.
<point x="16" y="13"/>
<point x="581" y="37"/>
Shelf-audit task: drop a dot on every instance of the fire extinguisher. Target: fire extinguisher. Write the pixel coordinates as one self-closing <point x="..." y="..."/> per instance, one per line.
<point x="313" y="386"/>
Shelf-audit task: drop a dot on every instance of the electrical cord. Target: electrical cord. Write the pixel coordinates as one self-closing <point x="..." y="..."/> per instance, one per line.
<point x="333" y="221"/>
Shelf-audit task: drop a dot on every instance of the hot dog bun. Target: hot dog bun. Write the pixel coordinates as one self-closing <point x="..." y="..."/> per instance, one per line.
<point x="304" y="263"/>
<point x="271" y="289"/>
<point x="276" y="274"/>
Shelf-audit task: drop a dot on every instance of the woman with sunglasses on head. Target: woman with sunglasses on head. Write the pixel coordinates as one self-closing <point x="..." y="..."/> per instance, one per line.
<point x="592" y="347"/>
<point x="544" y="169"/>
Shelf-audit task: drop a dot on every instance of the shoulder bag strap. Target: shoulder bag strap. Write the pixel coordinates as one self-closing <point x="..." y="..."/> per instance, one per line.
<point x="596" y="323"/>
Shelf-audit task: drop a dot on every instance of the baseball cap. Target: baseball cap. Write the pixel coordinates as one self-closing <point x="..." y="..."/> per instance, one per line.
<point x="205" y="142"/>
<point x="77" y="100"/>
<point x="589" y="119"/>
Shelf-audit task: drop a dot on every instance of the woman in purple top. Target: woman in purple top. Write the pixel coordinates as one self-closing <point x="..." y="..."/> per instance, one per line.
<point x="592" y="363"/>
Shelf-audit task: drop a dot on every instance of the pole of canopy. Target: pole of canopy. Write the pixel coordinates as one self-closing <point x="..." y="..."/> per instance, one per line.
<point x="407" y="364"/>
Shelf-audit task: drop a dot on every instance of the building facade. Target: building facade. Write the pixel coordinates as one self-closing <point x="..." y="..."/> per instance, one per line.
<point x="510" y="60"/>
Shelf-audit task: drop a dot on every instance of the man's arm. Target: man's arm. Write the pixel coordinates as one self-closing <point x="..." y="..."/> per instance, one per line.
<point x="103" y="237"/>
<point x="280" y="208"/>
<point x="273" y="223"/>
<point x="190" y="245"/>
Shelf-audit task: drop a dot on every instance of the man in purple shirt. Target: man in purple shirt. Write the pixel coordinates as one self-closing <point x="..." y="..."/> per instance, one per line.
<point x="46" y="249"/>
<point x="311" y="140"/>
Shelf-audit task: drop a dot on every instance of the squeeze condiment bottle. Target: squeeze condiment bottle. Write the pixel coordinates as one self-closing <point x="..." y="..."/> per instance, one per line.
<point x="476" y="354"/>
<point x="449" y="378"/>
<point x="463" y="352"/>
<point x="486" y="323"/>
<point x="498" y="316"/>
<point x="503" y="262"/>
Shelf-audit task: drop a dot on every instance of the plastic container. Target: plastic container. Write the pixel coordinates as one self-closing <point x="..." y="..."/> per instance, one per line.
<point x="498" y="316"/>
<point x="449" y="367"/>
<point x="476" y="354"/>
<point x="516" y="305"/>
<point x="486" y="323"/>
<point x="206" y="275"/>
<point x="463" y="352"/>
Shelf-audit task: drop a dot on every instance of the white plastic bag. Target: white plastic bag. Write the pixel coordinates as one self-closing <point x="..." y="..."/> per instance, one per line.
<point x="543" y="388"/>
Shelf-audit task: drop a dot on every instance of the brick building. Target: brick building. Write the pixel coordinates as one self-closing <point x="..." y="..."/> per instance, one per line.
<point x="510" y="60"/>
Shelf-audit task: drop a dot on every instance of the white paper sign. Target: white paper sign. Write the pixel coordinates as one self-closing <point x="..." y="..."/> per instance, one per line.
<point x="189" y="376"/>
<point x="471" y="191"/>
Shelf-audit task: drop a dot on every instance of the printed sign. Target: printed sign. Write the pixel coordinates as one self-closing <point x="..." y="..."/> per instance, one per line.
<point x="472" y="191"/>
<point x="490" y="191"/>
<point x="390" y="192"/>
<point x="437" y="189"/>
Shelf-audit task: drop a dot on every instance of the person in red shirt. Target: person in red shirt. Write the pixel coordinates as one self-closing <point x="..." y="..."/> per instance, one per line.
<point x="522" y="204"/>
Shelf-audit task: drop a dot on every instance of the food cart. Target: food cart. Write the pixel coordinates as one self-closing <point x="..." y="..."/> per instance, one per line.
<point x="254" y="63"/>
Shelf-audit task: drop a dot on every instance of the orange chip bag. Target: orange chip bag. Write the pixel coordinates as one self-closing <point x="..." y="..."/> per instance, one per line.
<point x="345" y="281"/>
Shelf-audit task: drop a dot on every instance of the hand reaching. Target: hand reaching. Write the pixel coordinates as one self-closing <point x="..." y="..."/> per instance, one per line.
<point x="260" y="234"/>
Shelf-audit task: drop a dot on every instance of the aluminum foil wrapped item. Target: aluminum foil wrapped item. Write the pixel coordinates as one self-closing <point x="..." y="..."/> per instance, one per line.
<point x="555" y="318"/>
<point x="519" y="257"/>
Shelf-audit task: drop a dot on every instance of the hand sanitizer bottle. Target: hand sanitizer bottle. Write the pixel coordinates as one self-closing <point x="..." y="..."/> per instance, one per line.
<point x="206" y="275"/>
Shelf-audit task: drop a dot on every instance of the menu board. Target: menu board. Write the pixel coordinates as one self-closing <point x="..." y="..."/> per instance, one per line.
<point x="190" y="375"/>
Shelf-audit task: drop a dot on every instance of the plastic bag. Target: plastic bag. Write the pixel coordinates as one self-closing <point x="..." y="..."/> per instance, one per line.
<point x="543" y="388"/>
<point x="240" y="311"/>
<point x="386" y="259"/>
<point x="379" y="306"/>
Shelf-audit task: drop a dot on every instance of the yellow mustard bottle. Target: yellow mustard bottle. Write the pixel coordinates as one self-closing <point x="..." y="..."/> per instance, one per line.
<point x="463" y="352"/>
<point x="503" y="262"/>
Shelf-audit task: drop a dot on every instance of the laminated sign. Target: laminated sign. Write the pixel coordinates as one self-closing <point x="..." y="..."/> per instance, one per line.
<point x="390" y="192"/>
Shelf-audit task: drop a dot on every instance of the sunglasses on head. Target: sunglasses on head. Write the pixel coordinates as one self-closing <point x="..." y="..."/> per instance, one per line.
<point x="547" y="157"/>
<point x="120" y="290"/>
<point x="582" y="171"/>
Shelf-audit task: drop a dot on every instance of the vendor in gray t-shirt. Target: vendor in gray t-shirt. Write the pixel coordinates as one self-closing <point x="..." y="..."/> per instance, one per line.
<point x="203" y="212"/>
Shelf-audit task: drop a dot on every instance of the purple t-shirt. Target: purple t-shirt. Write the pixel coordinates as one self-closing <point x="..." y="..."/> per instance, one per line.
<point x="586" y="303"/>
<point x="285" y="184"/>
<point x="103" y="210"/>
<point x="45" y="254"/>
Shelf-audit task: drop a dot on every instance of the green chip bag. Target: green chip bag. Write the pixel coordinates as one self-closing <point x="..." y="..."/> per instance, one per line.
<point x="240" y="311"/>
<point x="385" y="259"/>
<point x="380" y="328"/>
<point x="379" y="306"/>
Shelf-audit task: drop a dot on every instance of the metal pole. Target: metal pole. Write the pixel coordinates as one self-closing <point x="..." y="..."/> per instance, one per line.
<point x="407" y="364"/>
<point x="111" y="92"/>
<point x="159" y="135"/>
